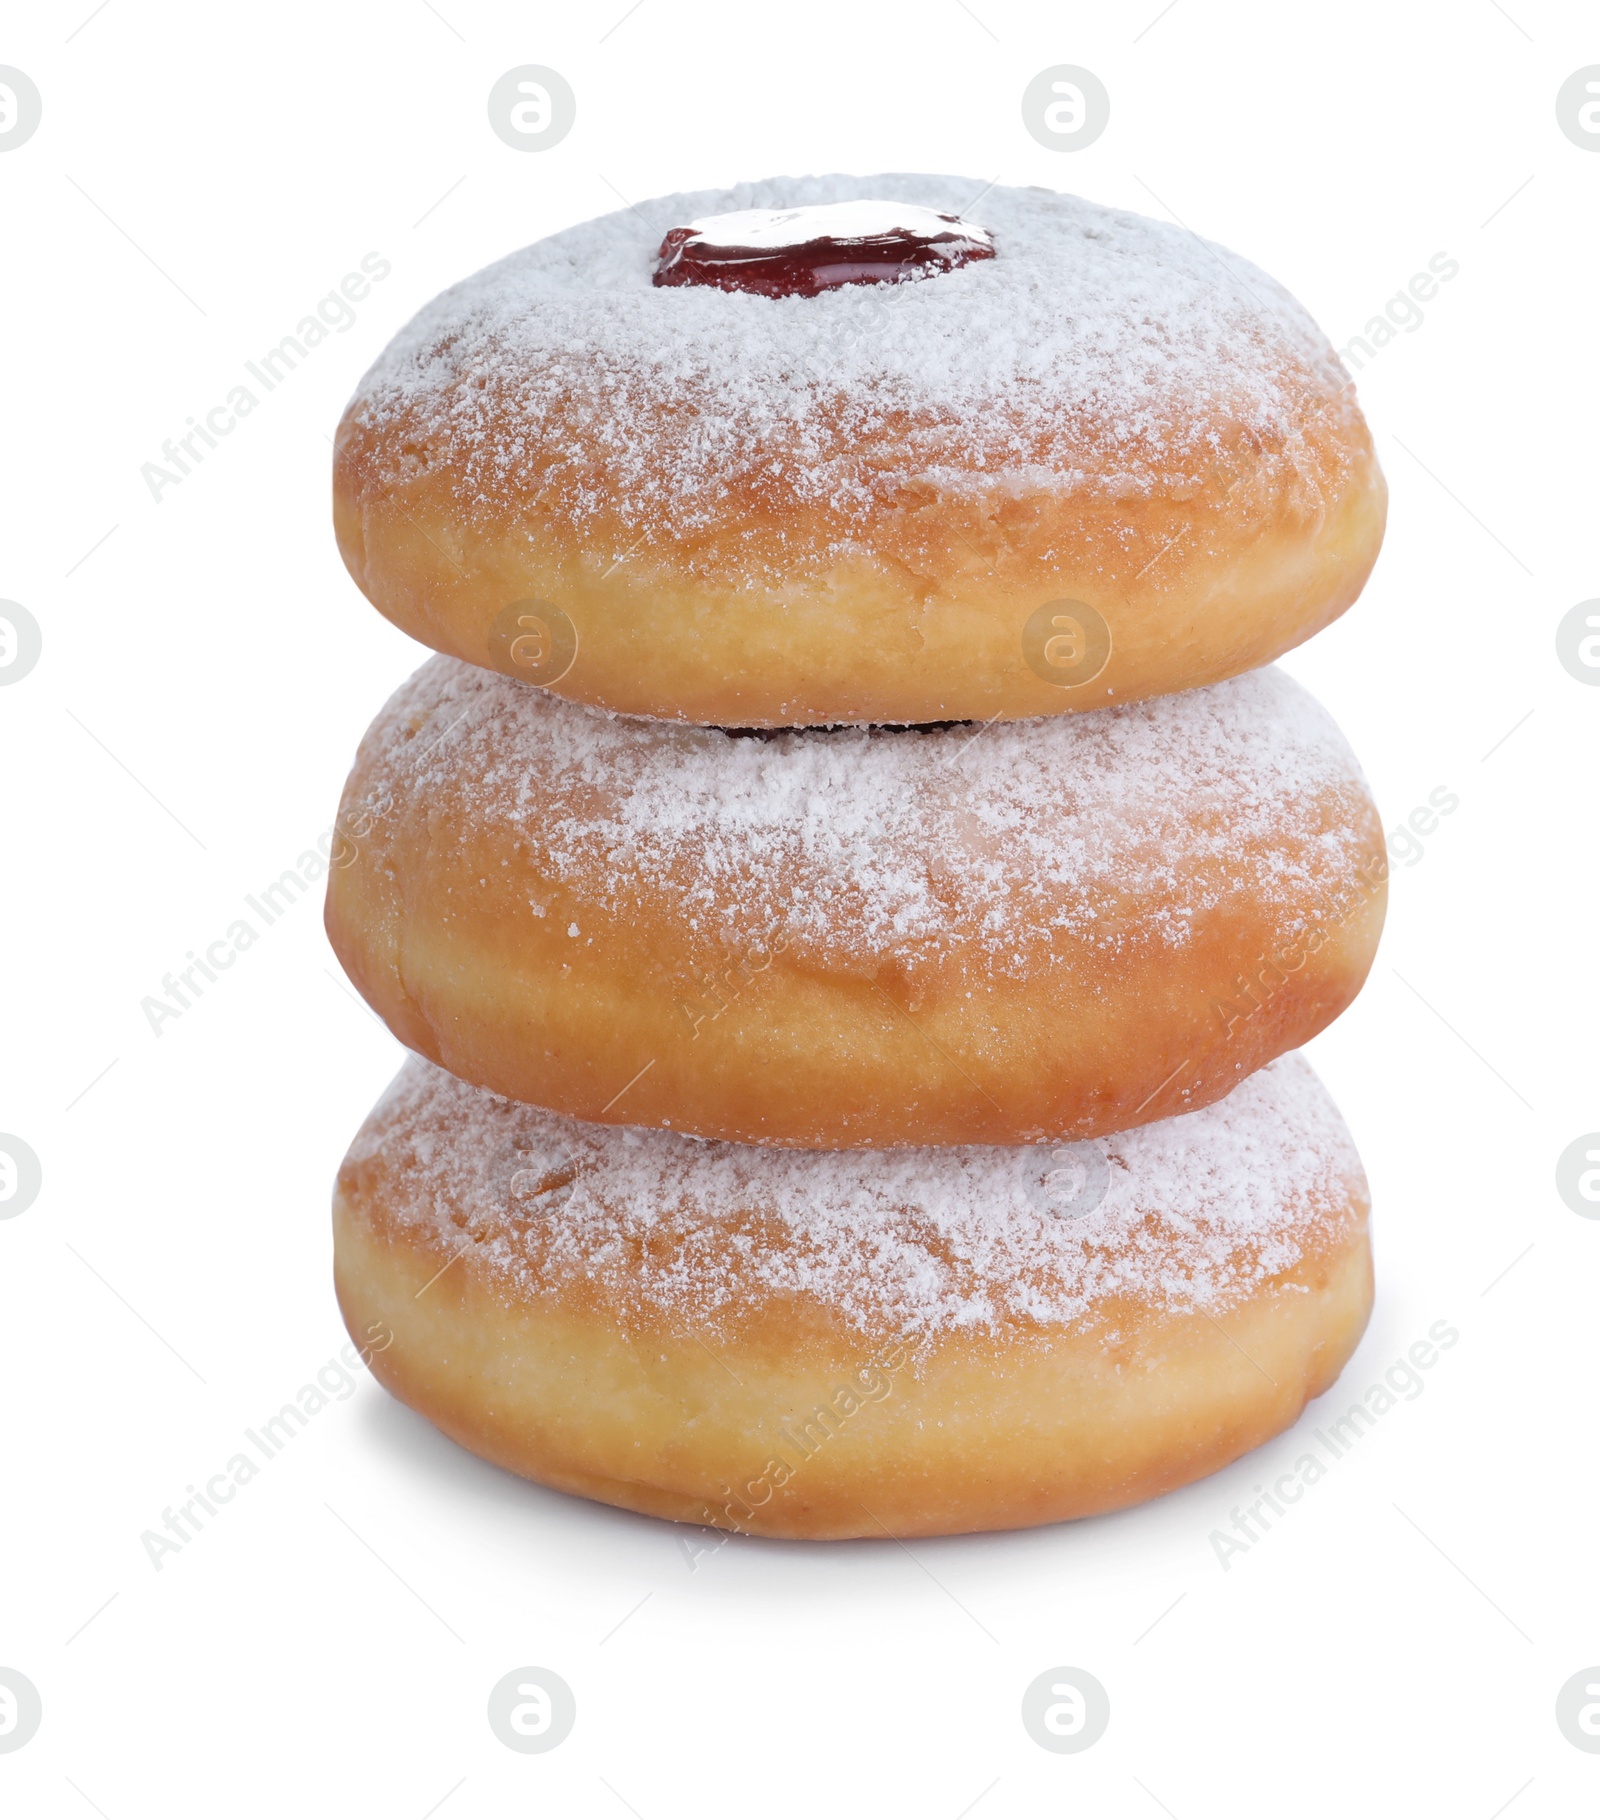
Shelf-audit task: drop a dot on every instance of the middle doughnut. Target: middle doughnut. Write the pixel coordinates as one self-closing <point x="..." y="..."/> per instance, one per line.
<point x="856" y="938"/>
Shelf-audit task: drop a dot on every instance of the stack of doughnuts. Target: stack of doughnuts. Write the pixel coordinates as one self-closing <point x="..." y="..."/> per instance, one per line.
<point x="849" y="882"/>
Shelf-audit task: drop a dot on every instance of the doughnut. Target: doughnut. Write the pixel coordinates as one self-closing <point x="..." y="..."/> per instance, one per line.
<point x="854" y="1343"/>
<point x="854" y="450"/>
<point x="856" y="937"/>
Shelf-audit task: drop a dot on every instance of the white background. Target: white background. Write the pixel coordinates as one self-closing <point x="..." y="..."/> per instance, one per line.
<point x="203" y="175"/>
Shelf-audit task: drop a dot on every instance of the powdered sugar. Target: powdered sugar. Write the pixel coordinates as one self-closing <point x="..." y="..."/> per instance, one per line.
<point x="772" y="230"/>
<point x="655" y="1227"/>
<point x="1117" y="828"/>
<point x="1098" y="352"/>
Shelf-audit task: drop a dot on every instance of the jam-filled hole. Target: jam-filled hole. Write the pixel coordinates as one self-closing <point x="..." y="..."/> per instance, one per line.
<point x="801" y="252"/>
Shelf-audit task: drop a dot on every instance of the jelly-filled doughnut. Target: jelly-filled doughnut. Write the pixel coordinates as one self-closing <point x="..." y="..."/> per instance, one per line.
<point x="855" y="1343"/>
<point x="856" y="937"/>
<point x="848" y="450"/>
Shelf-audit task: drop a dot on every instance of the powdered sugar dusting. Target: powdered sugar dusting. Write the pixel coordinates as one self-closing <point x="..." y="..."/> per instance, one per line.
<point x="655" y="1227"/>
<point x="1099" y="352"/>
<point x="1119" y="828"/>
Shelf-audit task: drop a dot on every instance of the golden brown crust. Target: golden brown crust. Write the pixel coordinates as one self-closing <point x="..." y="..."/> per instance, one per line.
<point x="1063" y="1432"/>
<point x="798" y="1422"/>
<point x="929" y="623"/>
<point x="696" y="976"/>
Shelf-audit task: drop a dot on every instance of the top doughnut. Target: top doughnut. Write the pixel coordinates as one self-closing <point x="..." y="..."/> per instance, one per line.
<point x="1041" y="457"/>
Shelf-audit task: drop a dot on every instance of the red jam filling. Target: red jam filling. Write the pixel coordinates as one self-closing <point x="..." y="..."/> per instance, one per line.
<point x="803" y="251"/>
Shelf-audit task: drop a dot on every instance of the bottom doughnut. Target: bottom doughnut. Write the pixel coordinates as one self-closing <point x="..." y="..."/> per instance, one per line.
<point x="834" y="1344"/>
